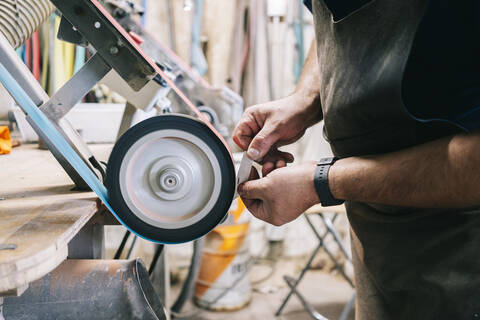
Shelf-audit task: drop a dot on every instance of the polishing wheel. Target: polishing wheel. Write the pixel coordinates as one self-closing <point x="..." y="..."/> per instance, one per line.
<point x="170" y="179"/>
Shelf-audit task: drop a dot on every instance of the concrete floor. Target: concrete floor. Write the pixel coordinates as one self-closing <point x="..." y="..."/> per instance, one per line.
<point x="326" y="292"/>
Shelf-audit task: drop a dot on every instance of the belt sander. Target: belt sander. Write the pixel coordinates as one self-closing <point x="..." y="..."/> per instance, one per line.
<point x="170" y="178"/>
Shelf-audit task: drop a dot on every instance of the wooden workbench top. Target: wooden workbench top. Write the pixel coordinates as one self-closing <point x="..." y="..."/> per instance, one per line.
<point x="39" y="214"/>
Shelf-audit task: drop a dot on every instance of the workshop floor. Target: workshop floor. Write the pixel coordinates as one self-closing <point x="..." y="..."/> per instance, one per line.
<point x="326" y="292"/>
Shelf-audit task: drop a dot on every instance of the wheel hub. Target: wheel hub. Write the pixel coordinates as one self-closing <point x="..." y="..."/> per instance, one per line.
<point x="171" y="178"/>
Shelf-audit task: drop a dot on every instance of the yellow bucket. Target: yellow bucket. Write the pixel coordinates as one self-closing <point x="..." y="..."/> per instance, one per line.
<point x="223" y="282"/>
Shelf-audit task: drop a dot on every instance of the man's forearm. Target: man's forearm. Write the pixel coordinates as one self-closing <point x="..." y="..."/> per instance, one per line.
<point x="308" y="85"/>
<point x="442" y="173"/>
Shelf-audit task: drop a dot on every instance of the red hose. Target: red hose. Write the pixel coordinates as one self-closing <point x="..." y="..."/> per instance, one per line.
<point x="36" y="55"/>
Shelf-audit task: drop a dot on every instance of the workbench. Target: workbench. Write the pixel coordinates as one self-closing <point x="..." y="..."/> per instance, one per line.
<point x="40" y="214"/>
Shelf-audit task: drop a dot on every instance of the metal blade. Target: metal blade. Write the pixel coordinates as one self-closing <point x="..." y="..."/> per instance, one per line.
<point x="243" y="172"/>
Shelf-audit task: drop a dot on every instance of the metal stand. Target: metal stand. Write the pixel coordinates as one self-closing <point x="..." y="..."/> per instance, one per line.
<point x="10" y="60"/>
<point x="89" y="243"/>
<point x="65" y="99"/>
<point x="293" y="283"/>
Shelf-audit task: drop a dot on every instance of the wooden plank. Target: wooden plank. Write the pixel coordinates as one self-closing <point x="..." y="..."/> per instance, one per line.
<point x="21" y="279"/>
<point x="40" y="230"/>
<point x="39" y="213"/>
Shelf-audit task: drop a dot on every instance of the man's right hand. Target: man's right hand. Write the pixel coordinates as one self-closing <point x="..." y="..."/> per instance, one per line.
<point x="266" y="127"/>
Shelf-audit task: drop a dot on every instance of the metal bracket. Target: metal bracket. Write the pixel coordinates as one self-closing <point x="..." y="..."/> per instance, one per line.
<point x="27" y="81"/>
<point x="102" y="32"/>
<point x="76" y="88"/>
<point x="127" y="119"/>
<point x="67" y="32"/>
<point x="63" y="101"/>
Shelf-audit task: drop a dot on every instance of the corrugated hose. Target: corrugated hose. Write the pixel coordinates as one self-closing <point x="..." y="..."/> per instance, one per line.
<point x="19" y="19"/>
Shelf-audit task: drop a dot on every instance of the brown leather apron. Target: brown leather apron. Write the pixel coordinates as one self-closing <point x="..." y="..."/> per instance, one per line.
<point x="409" y="263"/>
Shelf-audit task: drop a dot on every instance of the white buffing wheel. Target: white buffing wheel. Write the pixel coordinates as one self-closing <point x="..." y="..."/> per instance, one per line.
<point x="170" y="179"/>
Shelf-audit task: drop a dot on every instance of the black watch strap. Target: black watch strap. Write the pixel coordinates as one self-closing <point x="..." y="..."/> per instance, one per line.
<point x="321" y="182"/>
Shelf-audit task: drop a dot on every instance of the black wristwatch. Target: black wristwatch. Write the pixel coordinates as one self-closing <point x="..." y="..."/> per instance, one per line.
<point x="321" y="182"/>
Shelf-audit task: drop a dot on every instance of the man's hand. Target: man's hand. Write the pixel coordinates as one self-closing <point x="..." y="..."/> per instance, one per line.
<point x="266" y="127"/>
<point x="281" y="196"/>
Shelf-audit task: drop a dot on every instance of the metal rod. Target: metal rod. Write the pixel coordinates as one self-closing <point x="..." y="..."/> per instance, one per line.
<point x="311" y="310"/>
<point x="118" y="254"/>
<point x="329" y="225"/>
<point x="297" y="281"/>
<point x="305" y="269"/>
<point x="348" y="307"/>
<point x="156" y="256"/>
<point x="15" y="65"/>
<point x="332" y="257"/>
<point x="130" y="251"/>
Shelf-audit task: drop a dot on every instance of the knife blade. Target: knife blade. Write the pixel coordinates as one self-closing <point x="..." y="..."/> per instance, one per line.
<point x="243" y="171"/>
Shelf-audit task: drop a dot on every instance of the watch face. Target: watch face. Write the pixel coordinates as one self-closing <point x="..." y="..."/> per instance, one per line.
<point x="326" y="161"/>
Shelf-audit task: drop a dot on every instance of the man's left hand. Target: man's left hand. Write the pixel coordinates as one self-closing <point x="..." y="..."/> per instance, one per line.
<point x="282" y="195"/>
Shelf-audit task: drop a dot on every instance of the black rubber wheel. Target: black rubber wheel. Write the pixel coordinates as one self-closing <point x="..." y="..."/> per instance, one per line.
<point x="177" y="235"/>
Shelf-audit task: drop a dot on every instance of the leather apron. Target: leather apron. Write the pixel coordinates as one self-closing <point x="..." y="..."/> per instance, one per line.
<point x="409" y="263"/>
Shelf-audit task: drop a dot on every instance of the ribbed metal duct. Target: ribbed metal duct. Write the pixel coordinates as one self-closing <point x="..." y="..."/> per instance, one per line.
<point x="20" y="18"/>
<point x="89" y="289"/>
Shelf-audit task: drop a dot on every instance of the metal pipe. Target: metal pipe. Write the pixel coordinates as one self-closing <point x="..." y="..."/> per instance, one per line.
<point x="89" y="289"/>
<point x="19" y="70"/>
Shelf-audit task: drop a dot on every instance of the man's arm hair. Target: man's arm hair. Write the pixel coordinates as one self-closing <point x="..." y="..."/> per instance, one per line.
<point x="439" y="174"/>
